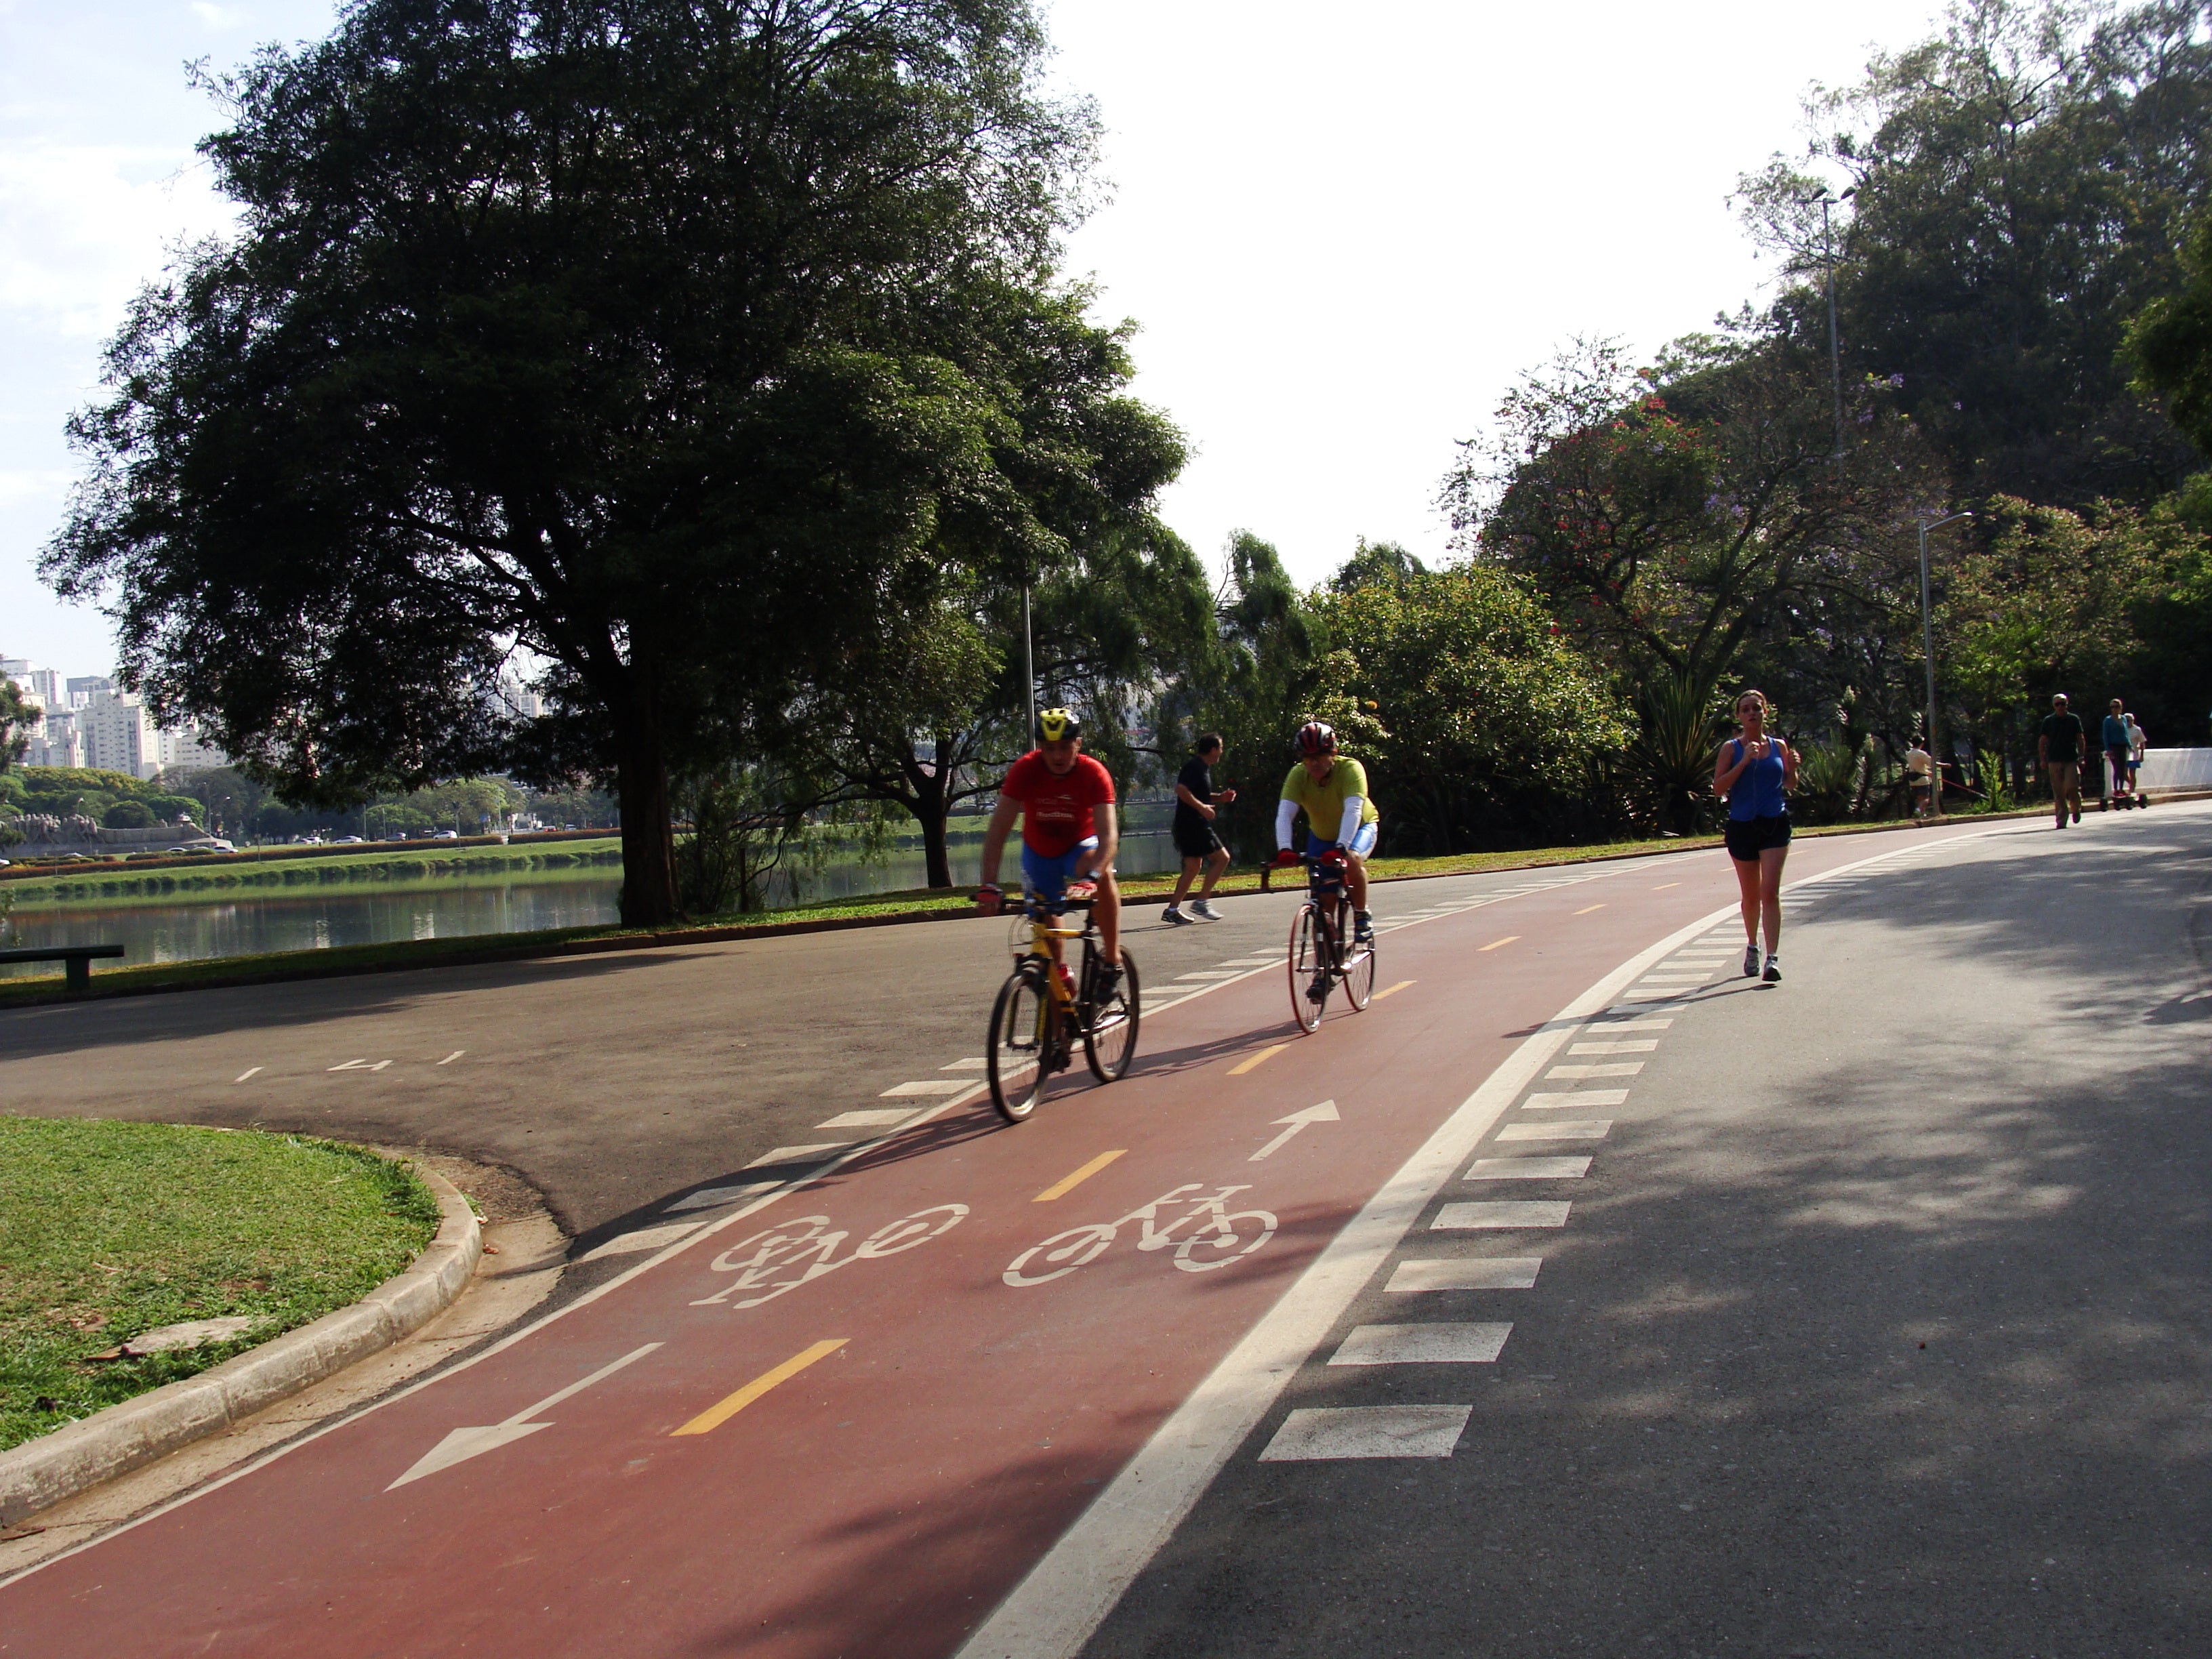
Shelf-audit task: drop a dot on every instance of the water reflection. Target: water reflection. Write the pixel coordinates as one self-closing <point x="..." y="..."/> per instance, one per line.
<point x="237" y="925"/>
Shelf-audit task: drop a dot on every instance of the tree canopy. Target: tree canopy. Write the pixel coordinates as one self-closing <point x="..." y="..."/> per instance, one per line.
<point x="683" y="345"/>
<point x="2018" y="187"/>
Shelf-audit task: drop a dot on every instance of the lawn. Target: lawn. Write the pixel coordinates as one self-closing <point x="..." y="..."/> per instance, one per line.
<point x="111" y="1230"/>
<point x="246" y="875"/>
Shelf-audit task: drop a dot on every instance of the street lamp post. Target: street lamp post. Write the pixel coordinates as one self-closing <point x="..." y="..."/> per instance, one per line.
<point x="1928" y="652"/>
<point x="1029" y="672"/>
<point x="1835" y="345"/>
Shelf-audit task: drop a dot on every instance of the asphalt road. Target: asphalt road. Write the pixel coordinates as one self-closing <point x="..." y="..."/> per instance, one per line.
<point x="1881" y="1323"/>
<point x="969" y="1385"/>
<point x="611" y="1083"/>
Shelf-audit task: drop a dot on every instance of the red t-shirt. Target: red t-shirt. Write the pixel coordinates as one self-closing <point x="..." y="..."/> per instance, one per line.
<point x="1056" y="806"/>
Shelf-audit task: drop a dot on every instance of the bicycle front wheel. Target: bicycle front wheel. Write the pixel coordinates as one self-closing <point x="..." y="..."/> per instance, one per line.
<point x="1309" y="969"/>
<point x="1110" y="1043"/>
<point x="1359" y="976"/>
<point x="1021" y="1037"/>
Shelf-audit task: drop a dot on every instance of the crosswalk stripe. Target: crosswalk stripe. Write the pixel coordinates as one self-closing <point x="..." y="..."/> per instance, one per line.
<point x="1421" y="1344"/>
<point x="1319" y="1434"/>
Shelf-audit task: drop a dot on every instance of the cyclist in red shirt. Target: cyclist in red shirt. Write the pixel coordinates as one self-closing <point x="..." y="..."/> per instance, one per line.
<point x="1067" y="802"/>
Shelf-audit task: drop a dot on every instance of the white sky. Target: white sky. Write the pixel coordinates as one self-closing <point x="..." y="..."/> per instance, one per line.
<point x="1344" y="230"/>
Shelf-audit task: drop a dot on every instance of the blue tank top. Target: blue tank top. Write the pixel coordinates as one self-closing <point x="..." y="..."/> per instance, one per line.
<point x="1756" y="792"/>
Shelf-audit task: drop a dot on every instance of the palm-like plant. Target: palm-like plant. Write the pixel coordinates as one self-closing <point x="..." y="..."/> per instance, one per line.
<point x="1671" y="761"/>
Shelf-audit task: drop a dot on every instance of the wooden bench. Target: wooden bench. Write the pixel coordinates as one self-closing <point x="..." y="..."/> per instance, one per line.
<point x="76" y="960"/>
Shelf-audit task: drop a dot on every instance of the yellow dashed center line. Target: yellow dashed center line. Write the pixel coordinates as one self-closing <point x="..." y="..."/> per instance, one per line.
<point x="1069" y="1184"/>
<point x="1244" y="1065"/>
<point x="1400" y="985"/>
<point x="1664" y="885"/>
<point x="723" y="1410"/>
<point x="1587" y="909"/>
<point x="1495" y="943"/>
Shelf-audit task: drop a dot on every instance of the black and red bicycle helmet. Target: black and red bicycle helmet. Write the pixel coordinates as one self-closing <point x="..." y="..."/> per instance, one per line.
<point x="1316" y="738"/>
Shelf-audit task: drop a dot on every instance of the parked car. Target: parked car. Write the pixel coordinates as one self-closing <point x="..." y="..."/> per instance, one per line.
<point x="348" y="841"/>
<point x="447" y="834"/>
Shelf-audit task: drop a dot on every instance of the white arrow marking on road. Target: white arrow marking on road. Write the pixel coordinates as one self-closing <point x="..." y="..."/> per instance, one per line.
<point x="1324" y="1113"/>
<point x="461" y="1445"/>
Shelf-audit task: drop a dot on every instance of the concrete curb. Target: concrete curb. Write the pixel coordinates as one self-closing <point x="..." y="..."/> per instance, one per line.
<point x="133" y="1433"/>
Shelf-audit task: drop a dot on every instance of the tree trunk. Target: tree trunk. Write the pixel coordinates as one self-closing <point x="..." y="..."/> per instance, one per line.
<point x="930" y="811"/>
<point x="648" y="843"/>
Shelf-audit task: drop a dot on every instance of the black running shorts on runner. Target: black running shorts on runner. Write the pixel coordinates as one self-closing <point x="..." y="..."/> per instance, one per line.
<point x="1748" y="837"/>
<point x="1197" y="842"/>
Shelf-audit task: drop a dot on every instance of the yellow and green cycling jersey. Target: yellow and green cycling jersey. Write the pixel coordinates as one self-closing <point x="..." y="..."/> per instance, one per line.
<point x="1323" y="802"/>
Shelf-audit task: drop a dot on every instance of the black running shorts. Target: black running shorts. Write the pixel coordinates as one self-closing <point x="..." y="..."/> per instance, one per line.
<point x="1196" y="841"/>
<point x="1748" y="837"/>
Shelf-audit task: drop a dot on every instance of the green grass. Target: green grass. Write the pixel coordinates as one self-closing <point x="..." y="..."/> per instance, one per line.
<point x="109" y="1230"/>
<point x="398" y="870"/>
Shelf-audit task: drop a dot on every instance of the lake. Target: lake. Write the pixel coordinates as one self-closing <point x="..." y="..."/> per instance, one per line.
<point x="236" y="925"/>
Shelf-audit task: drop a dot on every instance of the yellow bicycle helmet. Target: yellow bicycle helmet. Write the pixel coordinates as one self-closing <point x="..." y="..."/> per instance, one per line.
<point x="1056" y="725"/>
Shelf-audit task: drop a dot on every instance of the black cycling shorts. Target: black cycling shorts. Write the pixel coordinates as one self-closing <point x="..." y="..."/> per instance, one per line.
<point x="1748" y="837"/>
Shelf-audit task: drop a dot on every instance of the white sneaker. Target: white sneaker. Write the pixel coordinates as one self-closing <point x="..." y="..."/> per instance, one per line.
<point x="1174" y="917"/>
<point x="1204" y="911"/>
<point x="1751" y="960"/>
<point x="1773" y="969"/>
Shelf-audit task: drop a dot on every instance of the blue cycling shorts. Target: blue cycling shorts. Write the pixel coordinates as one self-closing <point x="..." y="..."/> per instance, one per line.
<point x="1047" y="877"/>
<point x="1362" y="843"/>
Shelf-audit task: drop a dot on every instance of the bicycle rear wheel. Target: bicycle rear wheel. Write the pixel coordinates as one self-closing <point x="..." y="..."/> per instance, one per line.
<point x="1021" y="1037"/>
<point x="1309" y="975"/>
<point x="1110" y="1041"/>
<point x="1359" y="976"/>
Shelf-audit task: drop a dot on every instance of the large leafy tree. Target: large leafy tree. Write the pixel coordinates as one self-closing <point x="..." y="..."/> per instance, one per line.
<point x="1487" y="719"/>
<point x="2170" y="342"/>
<point x="641" y="335"/>
<point x="2019" y="188"/>
<point x="1673" y="514"/>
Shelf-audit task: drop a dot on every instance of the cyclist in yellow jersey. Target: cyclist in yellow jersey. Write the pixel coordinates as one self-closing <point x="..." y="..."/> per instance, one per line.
<point x="1332" y="789"/>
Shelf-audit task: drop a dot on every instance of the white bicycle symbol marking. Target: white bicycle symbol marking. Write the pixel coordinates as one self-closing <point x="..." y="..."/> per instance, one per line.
<point x="1218" y="1240"/>
<point x="806" y="1244"/>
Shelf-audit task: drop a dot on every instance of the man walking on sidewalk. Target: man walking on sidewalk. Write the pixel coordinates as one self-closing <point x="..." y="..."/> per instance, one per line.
<point x="2061" y="747"/>
<point x="1195" y="837"/>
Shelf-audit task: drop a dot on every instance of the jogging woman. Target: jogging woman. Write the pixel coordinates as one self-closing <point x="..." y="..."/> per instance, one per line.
<point x="1756" y="772"/>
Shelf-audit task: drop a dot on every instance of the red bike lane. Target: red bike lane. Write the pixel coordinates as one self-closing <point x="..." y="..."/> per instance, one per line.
<point x="934" y="1398"/>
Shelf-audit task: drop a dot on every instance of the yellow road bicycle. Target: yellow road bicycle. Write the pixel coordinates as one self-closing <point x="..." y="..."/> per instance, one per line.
<point x="1042" y="1008"/>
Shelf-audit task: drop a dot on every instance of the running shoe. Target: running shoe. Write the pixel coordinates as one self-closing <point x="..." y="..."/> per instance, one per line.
<point x="1773" y="969"/>
<point x="1318" y="991"/>
<point x="2077" y="815"/>
<point x="1174" y="917"/>
<point x="1751" y="960"/>
<point x="1204" y="911"/>
<point x="1363" y="929"/>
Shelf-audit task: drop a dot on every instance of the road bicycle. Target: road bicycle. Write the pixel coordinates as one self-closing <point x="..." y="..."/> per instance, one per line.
<point x="1042" y="1009"/>
<point x="1324" y="952"/>
<point x="1220" y="1236"/>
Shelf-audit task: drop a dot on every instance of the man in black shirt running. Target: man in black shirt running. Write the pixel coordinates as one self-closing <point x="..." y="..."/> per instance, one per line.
<point x="1194" y="835"/>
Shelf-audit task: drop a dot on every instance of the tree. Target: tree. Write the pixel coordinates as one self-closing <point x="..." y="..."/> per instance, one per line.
<point x="16" y="718"/>
<point x="929" y="714"/>
<point x="1482" y="716"/>
<point x="1255" y="685"/>
<point x="2113" y="601"/>
<point x="2170" y="342"/>
<point x="1673" y="514"/>
<point x="641" y="334"/>
<point x="2019" y="186"/>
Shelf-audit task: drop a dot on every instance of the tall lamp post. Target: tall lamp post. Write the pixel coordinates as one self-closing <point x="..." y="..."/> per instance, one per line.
<point x="1928" y="652"/>
<point x="1828" y="266"/>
